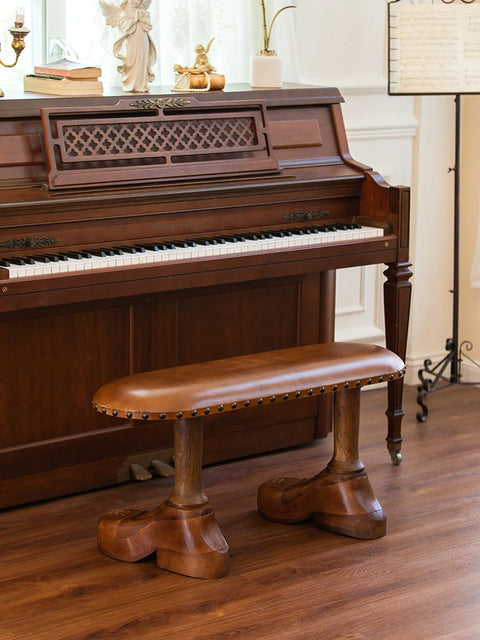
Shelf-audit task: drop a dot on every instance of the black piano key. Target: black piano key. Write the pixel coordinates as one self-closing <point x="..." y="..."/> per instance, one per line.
<point x="251" y="236"/>
<point x="182" y="244"/>
<point x="5" y="263"/>
<point x="40" y="258"/>
<point x="112" y="251"/>
<point x="234" y="238"/>
<point x="140" y="248"/>
<point x="72" y="255"/>
<point x="126" y="249"/>
<point x="98" y="253"/>
<point x="204" y="242"/>
<point x="55" y="257"/>
<point x="150" y="246"/>
<point x="16" y="261"/>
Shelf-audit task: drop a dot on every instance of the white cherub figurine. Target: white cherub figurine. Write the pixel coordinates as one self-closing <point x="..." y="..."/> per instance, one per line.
<point x="135" y="48"/>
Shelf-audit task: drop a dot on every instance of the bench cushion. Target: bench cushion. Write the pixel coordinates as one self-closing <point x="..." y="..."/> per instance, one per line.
<point x="234" y="383"/>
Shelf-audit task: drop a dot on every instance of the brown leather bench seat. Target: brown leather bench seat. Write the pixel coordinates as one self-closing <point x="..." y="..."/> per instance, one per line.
<point x="183" y="530"/>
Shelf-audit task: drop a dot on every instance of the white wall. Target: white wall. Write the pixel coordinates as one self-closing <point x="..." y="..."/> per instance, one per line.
<point x="409" y="140"/>
<point x="469" y="230"/>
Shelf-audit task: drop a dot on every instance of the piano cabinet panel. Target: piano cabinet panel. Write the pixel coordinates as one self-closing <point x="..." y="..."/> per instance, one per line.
<point x="54" y="359"/>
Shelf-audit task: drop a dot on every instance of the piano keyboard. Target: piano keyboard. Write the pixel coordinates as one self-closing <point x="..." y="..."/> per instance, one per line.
<point x="190" y="249"/>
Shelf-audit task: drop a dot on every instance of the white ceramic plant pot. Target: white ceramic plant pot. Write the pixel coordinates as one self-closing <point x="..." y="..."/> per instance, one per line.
<point x="266" y="71"/>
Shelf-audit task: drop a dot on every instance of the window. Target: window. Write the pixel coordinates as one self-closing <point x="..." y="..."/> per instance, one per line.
<point x="73" y="29"/>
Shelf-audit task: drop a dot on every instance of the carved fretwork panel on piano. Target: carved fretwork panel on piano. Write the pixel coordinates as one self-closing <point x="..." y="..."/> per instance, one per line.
<point x="234" y="253"/>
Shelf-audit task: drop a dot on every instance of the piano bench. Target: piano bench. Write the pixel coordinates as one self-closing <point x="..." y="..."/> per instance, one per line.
<point x="183" y="530"/>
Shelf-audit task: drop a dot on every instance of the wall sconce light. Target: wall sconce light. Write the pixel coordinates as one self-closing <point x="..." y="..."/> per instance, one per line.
<point x="19" y="33"/>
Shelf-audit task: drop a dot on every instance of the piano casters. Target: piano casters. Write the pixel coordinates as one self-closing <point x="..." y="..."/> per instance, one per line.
<point x="339" y="498"/>
<point x="19" y="33"/>
<point x="439" y="380"/>
<point x="182" y="531"/>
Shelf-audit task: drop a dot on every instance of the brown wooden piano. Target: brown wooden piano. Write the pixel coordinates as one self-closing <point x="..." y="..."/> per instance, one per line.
<point x="146" y="232"/>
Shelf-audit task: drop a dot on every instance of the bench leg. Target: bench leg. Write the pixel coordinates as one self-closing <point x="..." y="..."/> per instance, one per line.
<point x="339" y="498"/>
<point x="183" y="530"/>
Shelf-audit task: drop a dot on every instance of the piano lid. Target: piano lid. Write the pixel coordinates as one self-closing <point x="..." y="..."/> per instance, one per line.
<point x="150" y="140"/>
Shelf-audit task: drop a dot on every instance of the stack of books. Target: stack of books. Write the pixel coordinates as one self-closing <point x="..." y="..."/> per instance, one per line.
<point x="64" y="78"/>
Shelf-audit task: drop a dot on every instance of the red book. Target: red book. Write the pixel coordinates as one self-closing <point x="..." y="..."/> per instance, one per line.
<point x="68" y="69"/>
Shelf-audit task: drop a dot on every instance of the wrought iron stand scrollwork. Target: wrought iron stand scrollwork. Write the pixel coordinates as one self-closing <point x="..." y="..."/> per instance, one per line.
<point x="456" y="352"/>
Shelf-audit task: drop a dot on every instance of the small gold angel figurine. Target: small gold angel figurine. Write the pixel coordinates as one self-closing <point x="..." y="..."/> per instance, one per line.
<point x="135" y="48"/>
<point x="201" y="76"/>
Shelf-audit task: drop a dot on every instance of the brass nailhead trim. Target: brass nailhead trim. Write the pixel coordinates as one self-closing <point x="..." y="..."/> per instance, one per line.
<point x="260" y="401"/>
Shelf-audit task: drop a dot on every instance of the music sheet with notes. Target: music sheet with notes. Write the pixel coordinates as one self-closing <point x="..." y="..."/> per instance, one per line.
<point x="434" y="48"/>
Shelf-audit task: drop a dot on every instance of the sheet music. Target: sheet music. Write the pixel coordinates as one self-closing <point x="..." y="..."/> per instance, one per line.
<point x="435" y="49"/>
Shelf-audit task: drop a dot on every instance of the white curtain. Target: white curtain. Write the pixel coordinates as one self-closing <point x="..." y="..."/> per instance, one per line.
<point x="178" y="26"/>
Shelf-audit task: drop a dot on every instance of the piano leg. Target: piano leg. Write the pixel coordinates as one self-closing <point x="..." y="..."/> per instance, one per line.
<point x="397" y="294"/>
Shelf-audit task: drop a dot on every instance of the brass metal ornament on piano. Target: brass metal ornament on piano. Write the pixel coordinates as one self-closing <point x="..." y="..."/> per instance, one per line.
<point x="146" y="233"/>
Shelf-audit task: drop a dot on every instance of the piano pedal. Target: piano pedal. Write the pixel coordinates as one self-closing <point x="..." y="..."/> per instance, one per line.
<point x="140" y="473"/>
<point x="163" y="469"/>
<point x="144" y="466"/>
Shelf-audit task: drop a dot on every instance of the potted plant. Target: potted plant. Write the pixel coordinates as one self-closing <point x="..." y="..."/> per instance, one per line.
<point x="266" y="65"/>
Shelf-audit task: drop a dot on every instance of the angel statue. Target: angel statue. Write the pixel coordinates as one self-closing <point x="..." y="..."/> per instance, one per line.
<point x="201" y="64"/>
<point x="135" y="48"/>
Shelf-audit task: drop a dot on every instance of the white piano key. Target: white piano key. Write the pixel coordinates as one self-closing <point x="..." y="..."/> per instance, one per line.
<point x="150" y="256"/>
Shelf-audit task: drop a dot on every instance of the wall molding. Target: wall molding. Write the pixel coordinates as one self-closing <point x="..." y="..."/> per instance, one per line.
<point x="373" y="131"/>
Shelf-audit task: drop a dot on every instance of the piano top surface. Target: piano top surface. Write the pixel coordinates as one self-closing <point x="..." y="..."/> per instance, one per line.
<point x="23" y="104"/>
<point x="304" y="140"/>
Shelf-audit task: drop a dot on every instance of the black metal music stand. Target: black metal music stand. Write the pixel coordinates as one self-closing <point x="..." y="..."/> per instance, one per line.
<point x="456" y="352"/>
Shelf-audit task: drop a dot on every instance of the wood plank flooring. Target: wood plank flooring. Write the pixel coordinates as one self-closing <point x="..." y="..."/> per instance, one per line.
<point x="293" y="582"/>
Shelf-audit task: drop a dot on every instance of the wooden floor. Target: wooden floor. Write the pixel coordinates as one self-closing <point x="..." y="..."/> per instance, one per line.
<point x="420" y="582"/>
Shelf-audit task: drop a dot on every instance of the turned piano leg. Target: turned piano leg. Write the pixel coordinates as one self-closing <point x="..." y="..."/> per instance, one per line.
<point x="339" y="498"/>
<point x="397" y="294"/>
<point x="182" y="531"/>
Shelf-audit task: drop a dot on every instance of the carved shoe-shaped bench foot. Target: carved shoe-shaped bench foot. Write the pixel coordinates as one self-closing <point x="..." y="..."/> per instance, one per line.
<point x="343" y="503"/>
<point x="186" y="540"/>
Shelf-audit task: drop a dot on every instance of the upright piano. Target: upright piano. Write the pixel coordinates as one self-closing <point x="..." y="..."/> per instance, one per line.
<point x="151" y="231"/>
